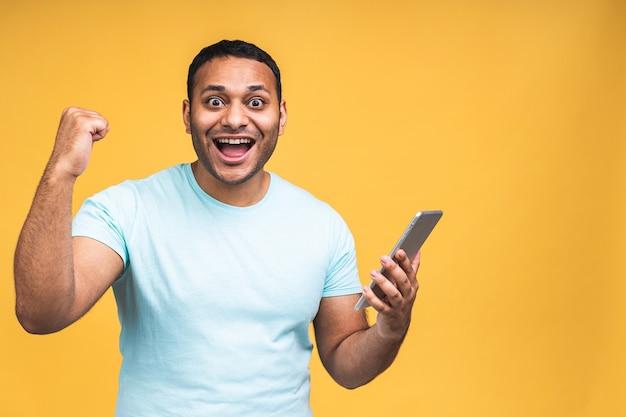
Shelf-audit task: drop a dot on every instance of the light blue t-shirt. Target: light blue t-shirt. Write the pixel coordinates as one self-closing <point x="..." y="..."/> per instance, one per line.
<point x="215" y="301"/>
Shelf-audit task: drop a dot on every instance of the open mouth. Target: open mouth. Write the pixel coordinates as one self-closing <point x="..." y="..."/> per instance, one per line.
<point x="233" y="147"/>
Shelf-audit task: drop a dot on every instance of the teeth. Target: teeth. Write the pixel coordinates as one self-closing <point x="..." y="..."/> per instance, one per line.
<point x="236" y="141"/>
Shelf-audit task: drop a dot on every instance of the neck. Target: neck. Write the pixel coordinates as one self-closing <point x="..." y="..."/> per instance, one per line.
<point x="238" y="195"/>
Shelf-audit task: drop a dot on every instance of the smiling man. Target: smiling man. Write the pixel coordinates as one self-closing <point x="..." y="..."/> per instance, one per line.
<point x="234" y="124"/>
<point x="218" y="266"/>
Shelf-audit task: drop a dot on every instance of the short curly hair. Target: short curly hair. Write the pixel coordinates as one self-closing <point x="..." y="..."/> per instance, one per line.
<point x="236" y="48"/>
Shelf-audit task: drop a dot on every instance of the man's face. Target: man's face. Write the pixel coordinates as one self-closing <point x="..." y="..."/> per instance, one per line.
<point x="234" y="118"/>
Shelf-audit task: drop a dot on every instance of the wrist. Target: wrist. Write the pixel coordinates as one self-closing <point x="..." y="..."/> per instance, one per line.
<point x="59" y="173"/>
<point x="391" y="334"/>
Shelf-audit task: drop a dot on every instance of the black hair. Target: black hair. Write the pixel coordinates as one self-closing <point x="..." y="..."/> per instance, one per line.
<point x="236" y="48"/>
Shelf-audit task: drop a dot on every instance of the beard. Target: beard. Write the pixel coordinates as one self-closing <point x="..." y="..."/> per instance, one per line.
<point x="264" y="142"/>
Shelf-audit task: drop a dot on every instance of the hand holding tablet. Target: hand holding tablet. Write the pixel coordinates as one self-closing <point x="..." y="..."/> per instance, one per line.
<point x="411" y="241"/>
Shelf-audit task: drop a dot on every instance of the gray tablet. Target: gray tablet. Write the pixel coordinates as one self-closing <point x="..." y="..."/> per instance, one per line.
<point x="411" y="241"/>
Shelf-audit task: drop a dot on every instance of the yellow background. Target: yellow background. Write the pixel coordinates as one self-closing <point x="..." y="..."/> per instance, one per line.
<point x="508" y="115"/>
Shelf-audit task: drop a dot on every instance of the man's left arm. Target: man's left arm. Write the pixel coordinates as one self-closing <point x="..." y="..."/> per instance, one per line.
<point x="354" y="353"/>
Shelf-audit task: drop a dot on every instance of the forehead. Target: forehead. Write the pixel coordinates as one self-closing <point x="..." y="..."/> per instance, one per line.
<point x="234" y="73"/>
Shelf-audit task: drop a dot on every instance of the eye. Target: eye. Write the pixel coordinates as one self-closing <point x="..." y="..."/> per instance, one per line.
<point x="214" y="102"/>
<point x="256" y="103"/>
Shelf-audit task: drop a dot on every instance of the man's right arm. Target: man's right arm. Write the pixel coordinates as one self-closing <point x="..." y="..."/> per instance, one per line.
<point x="57" y="277"/>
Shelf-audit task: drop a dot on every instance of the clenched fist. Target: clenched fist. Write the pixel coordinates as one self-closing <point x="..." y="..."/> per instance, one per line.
<point x="78" y="130"/>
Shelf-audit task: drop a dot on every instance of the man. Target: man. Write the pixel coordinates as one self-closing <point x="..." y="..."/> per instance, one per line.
<point x="218" y="266"/>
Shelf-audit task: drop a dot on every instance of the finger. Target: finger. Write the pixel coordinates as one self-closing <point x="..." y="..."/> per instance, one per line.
<point x="400" y="273"/>
<point x="380" y="304"/>
<point x="99" y="129"/>
<point x="392" y="294"/>
<point x="415" y="266"/>
<point x="410" y="266"/>
<point x="94" y="122"/>
<point x="415" y="262"/>
<point x="373" y="300"/>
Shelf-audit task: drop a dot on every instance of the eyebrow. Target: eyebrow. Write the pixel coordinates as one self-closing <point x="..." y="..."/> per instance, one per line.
<point x="221" y="88"/>
<point x="258" y="88"/>
<point x="214" y="88"/>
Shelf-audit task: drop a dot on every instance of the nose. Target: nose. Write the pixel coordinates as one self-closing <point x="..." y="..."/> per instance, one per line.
<point x="235" y="117"/>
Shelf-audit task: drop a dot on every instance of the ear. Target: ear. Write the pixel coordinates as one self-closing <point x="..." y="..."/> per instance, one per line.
<point x="187" y="115"/>
<point x="282" y="120"/>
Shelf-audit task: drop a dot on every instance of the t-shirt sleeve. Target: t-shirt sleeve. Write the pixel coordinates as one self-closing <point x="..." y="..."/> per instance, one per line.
<point x="343" y="277"/>
<point x="100" y="218"/>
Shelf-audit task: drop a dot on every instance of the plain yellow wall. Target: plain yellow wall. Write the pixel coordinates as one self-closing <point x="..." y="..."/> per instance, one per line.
<point x="509" y="116"/>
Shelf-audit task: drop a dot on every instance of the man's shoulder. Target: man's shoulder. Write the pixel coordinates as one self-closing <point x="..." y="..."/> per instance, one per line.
<point x="170" y="176"/>
<point x="292" y="190"/>
<point x="292" y="197"/>
<point x="175" y="173"/>
<point x="131" y="191"/>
